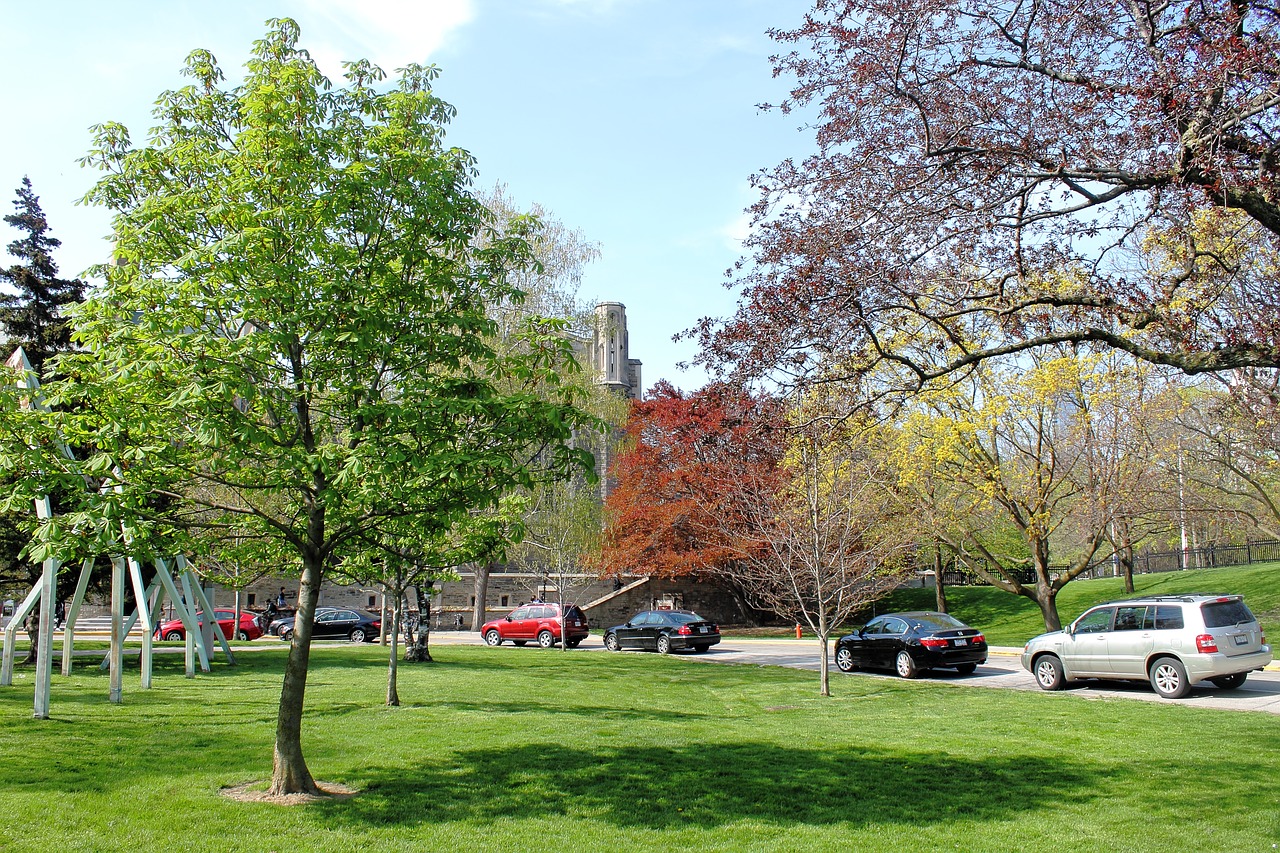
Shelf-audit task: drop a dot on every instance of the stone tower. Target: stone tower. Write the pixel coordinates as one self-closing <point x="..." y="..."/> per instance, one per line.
<point x="611" y="352"/>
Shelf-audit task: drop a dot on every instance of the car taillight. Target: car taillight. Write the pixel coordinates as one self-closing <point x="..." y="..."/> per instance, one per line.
<point x="977" y="638"/>
<point x="684" y="631"/>
<point x="933" y="643"/>
<point x="1205" y="644"/>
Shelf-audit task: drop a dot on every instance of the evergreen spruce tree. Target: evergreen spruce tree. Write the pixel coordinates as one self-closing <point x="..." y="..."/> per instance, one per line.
<point x="31" y="301"/>
<point x="31" y="294"/>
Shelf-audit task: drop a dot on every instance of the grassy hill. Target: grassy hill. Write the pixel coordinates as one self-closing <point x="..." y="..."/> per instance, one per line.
<point x="1010" y="620"/>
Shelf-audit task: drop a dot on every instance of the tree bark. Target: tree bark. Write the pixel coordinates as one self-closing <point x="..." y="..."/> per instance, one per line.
<point x="393" y="693"/>
<point x="32" y="627"/>
<point x="1126" y="561"/>
<point x="825" y="666"/>
<point x="289" y="773"/>
<point x="417" y="648"/>
<point x="481" y="593"/>
<point x="939" y="587"/>
<point x="1046" y="596"/>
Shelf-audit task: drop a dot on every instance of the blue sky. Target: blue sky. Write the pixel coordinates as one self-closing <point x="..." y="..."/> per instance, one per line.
<point x="634" y="121"/>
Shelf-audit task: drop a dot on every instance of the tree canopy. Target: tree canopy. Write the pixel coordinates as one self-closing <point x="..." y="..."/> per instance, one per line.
<point x="293" y="346"/>
<point x="994" y="175"/>
<point x="685" y="452"/>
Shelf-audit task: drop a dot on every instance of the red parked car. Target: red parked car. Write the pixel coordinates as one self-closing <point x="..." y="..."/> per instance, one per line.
<point x="537" y="621"/>
<point x="249" y="630"/>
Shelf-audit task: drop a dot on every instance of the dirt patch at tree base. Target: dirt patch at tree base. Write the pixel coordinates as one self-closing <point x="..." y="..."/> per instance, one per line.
<point x="253" y="792"/>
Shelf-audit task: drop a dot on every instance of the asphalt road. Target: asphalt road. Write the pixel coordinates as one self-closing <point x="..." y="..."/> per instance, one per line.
<point x="1002" y="670"/>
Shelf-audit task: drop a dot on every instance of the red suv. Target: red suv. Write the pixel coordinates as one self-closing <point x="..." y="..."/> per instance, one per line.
<point x="537" y="621"/>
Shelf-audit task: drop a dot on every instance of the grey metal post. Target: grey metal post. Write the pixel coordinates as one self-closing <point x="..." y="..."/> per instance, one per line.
<point x="73" y="614"/>
<point x="116" y="655"/>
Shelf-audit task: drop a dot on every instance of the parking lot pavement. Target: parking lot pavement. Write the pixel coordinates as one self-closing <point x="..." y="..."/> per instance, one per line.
<point x="1002" y="670"/>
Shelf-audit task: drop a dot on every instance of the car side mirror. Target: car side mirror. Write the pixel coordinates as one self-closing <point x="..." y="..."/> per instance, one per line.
<point x="628" y="625"/>
<point x="508" y="618"/>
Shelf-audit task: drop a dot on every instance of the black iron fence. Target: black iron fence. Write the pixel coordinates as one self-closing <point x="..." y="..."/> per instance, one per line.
<point x="1148" y="562"/>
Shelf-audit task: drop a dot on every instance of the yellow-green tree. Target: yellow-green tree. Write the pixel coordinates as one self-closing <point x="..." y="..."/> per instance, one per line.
<point x="1010" y="448"/>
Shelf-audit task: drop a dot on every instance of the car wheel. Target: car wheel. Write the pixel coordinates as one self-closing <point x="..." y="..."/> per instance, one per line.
<point x="844" y="659"/>
<point x="906" y="665"/>
<point x="1230" y="682"/>
<point x="173" y="636"/>
<point x="286" y="634"/>
<point x="546" y="639"/>
<point x="243" y="636"/>
<point x="493" y="638"/>
<point x="357" y="635"/>
<point x="664" y="645"/>
<point x="611" y="643"/>
<point x="1169" y="678"/>
<point x="1048" y="673"/>
<point x="966" y="668"/>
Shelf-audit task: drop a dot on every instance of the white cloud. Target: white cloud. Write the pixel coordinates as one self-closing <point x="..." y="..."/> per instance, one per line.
<point x="390" y="33"/>
<point x="736" y="232"/>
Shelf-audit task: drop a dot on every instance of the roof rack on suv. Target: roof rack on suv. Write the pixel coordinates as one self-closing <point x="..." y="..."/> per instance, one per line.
<point x="1181" y="596"/>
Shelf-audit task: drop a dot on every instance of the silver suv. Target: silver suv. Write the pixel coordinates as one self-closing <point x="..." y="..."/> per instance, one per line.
<point x="1173" y="641"/>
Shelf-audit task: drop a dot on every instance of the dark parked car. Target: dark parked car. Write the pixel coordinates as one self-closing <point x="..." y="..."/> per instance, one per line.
<point x="334" y="623"/>
<point x="285" y="620"/>
<point x="538" y="621"/>
<point x="909" y="643"/>
<point x="249" y="630"/>
<point x="663" y="631"/>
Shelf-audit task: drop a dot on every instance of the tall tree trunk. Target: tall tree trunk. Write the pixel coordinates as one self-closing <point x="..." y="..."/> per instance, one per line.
<point x="32" y="627"/>
<point x="939" y="587"/>
<point x="1126" y="561"/>
<point x="289" y="773"/>
<point x="417" y="648"/>
<point x="482" y="594"/>
<point x="393" y="693"/>
<point x="1046" y="596"/>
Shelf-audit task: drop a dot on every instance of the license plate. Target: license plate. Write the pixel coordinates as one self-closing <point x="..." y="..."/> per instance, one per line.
<point x="1241" y="639"/>
<point x="702" y="629"/>
<point x="962" y="642"/>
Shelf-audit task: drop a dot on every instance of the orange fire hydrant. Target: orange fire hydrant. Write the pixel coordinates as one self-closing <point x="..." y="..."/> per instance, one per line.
<point x="798" y="630"/>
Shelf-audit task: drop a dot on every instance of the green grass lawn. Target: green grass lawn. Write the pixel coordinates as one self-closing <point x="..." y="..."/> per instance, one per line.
<point x="1011" y="620"/>
<point x="523" y="749"/>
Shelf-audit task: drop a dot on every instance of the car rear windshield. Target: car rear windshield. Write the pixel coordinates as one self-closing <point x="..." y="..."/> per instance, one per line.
<point x="684" y="618"/>
<point x="940" y="620"/>
<point x="1222" y="614"/>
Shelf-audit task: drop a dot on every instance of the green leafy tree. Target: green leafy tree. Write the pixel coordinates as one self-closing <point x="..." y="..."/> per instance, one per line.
<point x="293" y="343"/>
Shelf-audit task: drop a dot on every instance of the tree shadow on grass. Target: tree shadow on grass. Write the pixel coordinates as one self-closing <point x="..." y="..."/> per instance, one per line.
<point x="709" y="785"/>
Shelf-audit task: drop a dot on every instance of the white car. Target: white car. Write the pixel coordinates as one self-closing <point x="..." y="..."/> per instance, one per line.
<point x="1173" y="641"/>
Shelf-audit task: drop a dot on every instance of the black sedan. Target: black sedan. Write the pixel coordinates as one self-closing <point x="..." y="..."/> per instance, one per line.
<point x="335" y="623"/>
<point x="909" y="643"/>
<point x="663" y="631"/>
